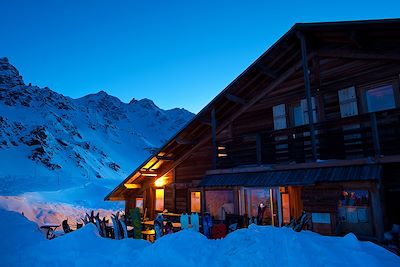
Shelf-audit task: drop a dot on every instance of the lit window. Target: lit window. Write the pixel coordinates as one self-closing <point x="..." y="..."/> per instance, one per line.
<point x="159" y="199"/>
<point x="222" y="152"/>
<point x="380" y="98"/>
<point x="195" y="202"/>
<point x="354" y="212"/>
<point x="219" y="202"/>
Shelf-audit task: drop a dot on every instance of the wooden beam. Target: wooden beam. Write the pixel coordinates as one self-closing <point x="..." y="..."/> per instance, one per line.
<point x="214" y="138"/>
<point x="375" y="134"/>
<point x="165" y="158"/>
<point x="204" y="121"/>
<point x="116" y="198"/>
<point x="235" y="99"/>
<point x="259" y="148"/>
<point x="356" y="39"/>
<point x="308" y="92"/>
<point x="363" y="54"/>
<point x="132" y="186"/>
<point x="148" y="173"/>
<point x="267" y="71"/>
<point x="182" y="141"/>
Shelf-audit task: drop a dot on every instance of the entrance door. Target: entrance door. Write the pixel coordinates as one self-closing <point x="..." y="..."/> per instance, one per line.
<point x="269" y="205"/>
<point x="258" y="205"/>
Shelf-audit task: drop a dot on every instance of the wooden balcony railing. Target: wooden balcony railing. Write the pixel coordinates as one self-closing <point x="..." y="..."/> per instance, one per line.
<point x="365" y="135"/>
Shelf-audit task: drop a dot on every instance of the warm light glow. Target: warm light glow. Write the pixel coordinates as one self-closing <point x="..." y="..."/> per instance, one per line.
<point x="221" y="148"/>
<point x="195" y="204"/>
<point x="148" y="174"/>
<point x="222" y="155"/>
<point x="159" y="199"/>
<point x="160" y="182"/>
<point x="132" y="186"/>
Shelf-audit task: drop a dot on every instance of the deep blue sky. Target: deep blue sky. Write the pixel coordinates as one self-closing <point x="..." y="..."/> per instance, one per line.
<point x="177" y="53"/>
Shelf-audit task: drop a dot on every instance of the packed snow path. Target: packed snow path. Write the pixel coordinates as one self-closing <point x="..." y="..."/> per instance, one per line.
<point x="23" y="245"/>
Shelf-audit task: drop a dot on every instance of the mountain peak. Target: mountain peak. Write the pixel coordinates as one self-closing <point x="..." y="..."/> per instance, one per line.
<point x="147" y="103"/>
<point x="9" y="75"/>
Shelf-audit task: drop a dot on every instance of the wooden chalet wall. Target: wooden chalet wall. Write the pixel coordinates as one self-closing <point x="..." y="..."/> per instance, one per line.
<point x="333" y="75"/>
<point x="188" y="174"/>
<point x="357" y="73"/>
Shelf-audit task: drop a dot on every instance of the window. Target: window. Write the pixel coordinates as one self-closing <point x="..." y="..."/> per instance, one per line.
<point x="298" y="115"/>
<point x="222" y="153"/>
<point x="279" y="114"/>
<point x="219" y="202"/>
<point x="195" y="203"/>
<point x="348" y="102"/>
<point x="159" y="200"/>
<point x="300" y="112"/>
<point x="380" y="98"/>
<point x="354" y="212"/>
<point x="256" y="197"/>
<point x="304" y="108"/>
<point x="139" y="203"/>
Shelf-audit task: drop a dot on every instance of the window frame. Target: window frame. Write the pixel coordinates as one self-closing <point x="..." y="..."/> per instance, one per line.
<point x="362" y="92"/>
<point x="190" y="200"/>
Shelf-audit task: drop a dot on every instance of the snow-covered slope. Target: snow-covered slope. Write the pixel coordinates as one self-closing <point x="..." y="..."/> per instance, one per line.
<point x="45" y="134"/>
<point x="52" y="142"/>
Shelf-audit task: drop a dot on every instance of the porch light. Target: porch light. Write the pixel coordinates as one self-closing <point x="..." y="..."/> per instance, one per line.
<point x="160" y="182"/>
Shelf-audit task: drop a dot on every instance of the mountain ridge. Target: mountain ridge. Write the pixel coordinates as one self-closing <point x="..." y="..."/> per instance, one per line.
<point x="44" y="133"/>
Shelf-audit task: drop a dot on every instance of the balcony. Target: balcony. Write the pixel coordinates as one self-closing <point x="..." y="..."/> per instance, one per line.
<point x="365" y="135"/>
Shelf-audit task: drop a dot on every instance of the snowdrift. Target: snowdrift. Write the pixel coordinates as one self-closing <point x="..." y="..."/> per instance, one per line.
<point x="23" y="245"/>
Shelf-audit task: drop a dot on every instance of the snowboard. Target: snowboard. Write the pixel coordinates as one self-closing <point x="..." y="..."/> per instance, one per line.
<point x="115" y="226"/>
<point x="125" y="231"/>
<point x="184" y="221"/>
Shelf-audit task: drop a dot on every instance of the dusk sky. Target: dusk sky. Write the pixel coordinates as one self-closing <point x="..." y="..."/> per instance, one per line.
<point x="177" y="53"/>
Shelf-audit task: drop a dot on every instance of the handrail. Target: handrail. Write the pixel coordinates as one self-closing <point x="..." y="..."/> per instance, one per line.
<point x="357" y="136"/>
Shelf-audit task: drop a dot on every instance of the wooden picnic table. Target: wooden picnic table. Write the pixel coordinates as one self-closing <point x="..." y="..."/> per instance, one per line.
<point x="149" y="234"/>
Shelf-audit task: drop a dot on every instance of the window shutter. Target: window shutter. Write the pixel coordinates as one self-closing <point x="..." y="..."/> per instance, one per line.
<point x="304" y="107"/>
<point x="279" y="113"/>
<point x="348" y="102"/>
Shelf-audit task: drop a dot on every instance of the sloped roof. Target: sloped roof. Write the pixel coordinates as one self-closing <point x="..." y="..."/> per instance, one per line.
<point x="368" y="172"/>
<point x="278" y="62"/>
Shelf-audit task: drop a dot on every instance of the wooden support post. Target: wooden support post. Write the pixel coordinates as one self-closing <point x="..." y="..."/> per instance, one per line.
<point x="308" y="92"/>
<point x="377" y="211"/>
<point x="375" y="134"/>
<point x="214" y="138"/>
<point x="259" y="148"/>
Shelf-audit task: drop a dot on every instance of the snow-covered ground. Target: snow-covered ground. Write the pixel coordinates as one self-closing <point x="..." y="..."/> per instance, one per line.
<point x="53" y="207"/>
<point x="22" y="244"/>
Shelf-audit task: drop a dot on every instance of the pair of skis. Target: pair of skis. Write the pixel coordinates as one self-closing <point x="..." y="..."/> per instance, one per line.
<point x="120" y="230"/>
<point x="194" y="221"/>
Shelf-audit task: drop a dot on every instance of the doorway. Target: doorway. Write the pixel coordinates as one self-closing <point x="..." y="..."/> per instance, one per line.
<point x="267" y="206"/>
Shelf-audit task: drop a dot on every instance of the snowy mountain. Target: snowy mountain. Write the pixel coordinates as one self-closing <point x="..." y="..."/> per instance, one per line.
<point x="50" y="142"/>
